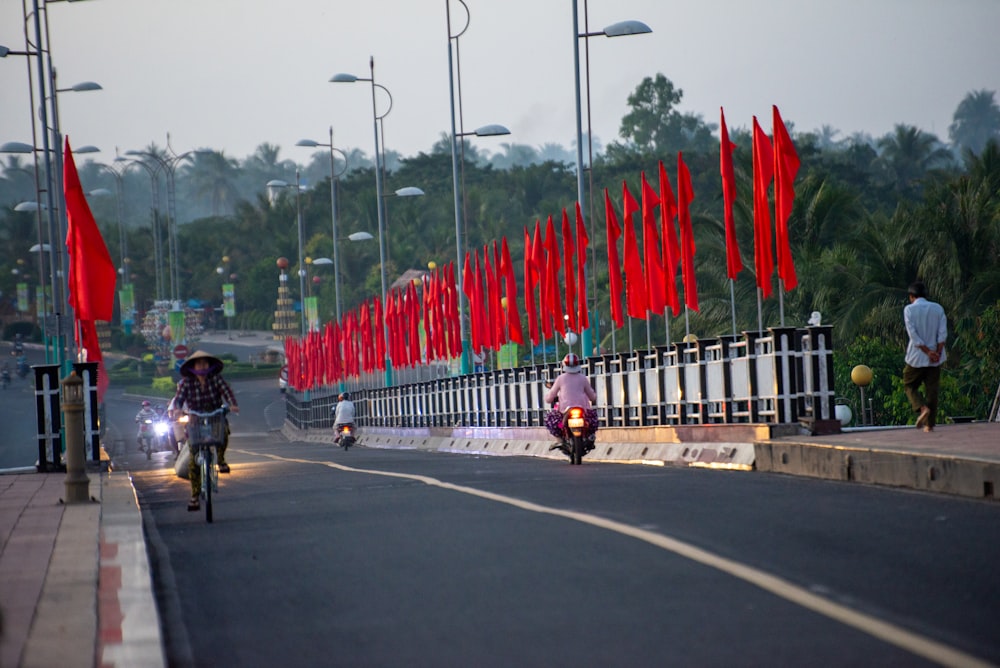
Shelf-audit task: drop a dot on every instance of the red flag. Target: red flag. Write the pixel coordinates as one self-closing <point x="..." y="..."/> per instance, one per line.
<point x="510" y="292"/>
<point x="482" y="313"/>
<point x="379" y="334"/>
<point x="582" y="241"/>
<point x="541" y="268"/>
<point x="763" y="172"/>
<point x="685" y="195"/>
<point x="569" y="253"/>
<point x="491" y="296"/>
<point x="614" y="266"/>
<point x="651" y="249"/>
<point x="530" y="279"/>
<point x="786" y="166"/>
<point x="414" y="322"/>
<point x="671" y="248"/>
<point x="733" y="262"/>
<point x="553" y="298"/>
<point x="469" y="288"/>
<point x="499" y="321"/>
<point x="91" y="271"/>
<point x="635" y="282"/>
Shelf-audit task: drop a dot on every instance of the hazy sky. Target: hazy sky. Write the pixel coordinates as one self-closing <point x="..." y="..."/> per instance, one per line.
<point x="232" y="74"/>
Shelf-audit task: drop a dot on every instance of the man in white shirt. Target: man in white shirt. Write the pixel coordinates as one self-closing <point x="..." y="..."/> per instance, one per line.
<point x="927" y="328"/>
<point x="343" y="413"/>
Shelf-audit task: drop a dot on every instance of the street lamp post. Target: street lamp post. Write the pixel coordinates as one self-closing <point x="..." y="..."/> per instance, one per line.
<point x="333" y="207"/>
<point x="154" y="220"/>
<point x="278" y="183"/>
<point x="620" y="29"/>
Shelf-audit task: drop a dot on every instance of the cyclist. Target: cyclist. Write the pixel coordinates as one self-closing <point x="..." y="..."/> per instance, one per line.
<point x="203" y="389"/>
<point x="344" y="413"/>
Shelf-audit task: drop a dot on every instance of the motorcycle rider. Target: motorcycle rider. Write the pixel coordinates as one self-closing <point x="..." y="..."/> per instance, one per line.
<point x="570" y="389"/>
<point x="6" y="375"/>
<point x="203" y="389"/>
<point x="343" y="414"/>
<point x="147" y="412"/>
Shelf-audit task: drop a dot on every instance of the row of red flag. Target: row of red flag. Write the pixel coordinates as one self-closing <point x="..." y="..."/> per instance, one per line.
<point x="554" y="273"/>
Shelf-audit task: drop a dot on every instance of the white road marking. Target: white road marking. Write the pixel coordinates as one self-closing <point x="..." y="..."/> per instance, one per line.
<point x="885" y="631"/>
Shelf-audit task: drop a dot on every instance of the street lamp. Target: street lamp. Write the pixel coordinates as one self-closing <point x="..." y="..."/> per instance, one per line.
<point x="333" y="207"/>
<point x="457" y="185"/>
<point x="154" y="210"/>
<point x="620" y="29"/>
<point x="278" y="183"/>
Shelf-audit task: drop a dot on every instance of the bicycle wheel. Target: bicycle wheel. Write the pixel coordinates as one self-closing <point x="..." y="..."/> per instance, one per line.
<point x="207" y="465"/>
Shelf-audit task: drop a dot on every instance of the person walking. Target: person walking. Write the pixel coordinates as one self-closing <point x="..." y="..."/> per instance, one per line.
<point x="927" y="327"/>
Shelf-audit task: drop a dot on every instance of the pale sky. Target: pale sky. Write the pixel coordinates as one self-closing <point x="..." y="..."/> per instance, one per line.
<point x="232" y="74"/>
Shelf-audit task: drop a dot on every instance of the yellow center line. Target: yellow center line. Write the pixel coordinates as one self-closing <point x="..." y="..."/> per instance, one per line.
<point x="885" y="631"/>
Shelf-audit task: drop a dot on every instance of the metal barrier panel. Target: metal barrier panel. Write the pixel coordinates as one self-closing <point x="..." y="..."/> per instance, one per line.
<point x="618" y="398"/>
<point x="633" y="389"/>
<point x="652" y="407"/>
<point x="671" y="383"/>
<point x="821" y="372"/>
<point x="765" y="380"/>
<point x="717" y="396"/>
<point x="786" y="355"/>
<point x="739" y="379"/>
<point x="49" y="416"/>
<point x="87" y="371"/>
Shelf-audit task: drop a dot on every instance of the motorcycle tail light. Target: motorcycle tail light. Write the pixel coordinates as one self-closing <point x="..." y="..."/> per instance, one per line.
<point x="575" y="419"/>
<point x="183" y="419"/>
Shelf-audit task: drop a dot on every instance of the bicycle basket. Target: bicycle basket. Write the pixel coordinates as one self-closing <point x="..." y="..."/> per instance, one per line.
<point x="206" y="428"/>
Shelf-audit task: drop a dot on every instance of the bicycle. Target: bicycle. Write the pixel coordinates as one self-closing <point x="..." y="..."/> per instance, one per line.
<point x="207" y="433"/>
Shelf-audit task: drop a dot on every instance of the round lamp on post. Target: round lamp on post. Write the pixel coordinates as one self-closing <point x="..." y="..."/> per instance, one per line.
<point x="862" y="375"/>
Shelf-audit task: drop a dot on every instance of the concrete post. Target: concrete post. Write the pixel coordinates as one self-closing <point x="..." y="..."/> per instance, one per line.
<point x="77" y="482"/>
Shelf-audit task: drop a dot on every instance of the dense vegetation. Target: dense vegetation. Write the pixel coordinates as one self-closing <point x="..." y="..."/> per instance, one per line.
<point x="871" y="215"/>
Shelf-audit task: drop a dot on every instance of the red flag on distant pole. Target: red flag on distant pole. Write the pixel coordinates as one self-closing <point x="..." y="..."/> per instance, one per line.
<point x="614" y="265"/>
<point x="514" y="330"/>
<point x="763" y="172"/>
<point x="538" y="259"/>
<point x="685" y="195"/>
<point x="91" y="272"/>
<point x="569" y="254"/>
<point x="733" y="262"/>
<point x="786" y="166"/>
<point x="651" y="249"/>
<point x="455" y="327"/>
<point x="553" y="265"/>
<point x="671" y="248"/>
<point x="530" y="279"/>
<point x="582" y="241"/>
<point x="469" y="288"/>
<point x="635" y="281"/>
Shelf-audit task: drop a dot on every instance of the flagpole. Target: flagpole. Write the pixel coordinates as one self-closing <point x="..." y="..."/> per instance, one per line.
<point x="781" y="301"/>
<point x="732" y="302"/>
<point x="760" y="317"/>
<point x="666" y="323"/>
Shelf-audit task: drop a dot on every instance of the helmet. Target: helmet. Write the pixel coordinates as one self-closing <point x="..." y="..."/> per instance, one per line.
<point x="571" y="363"/>
<point x="145" y="404"/>
<point x="342" y="396"/>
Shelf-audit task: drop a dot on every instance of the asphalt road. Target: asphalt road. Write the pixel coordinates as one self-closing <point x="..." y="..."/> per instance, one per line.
<point x="382" y="558"/>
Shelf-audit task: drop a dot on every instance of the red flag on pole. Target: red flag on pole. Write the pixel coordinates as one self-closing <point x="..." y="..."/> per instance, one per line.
<point x="786" y="166"/>
<point x="671" y="248"/>
<point x="469" y="288"/>
<point x="763" y="172"/>
<point x="569" y="253"/>
<point x="538" y="259"/>
<point x="635" y="281"/>
<point x="733" y="262"/>
<point x="530" y="280"/>
<point x="510" y="291"/>
<point x="614" y="265"/>
<point x="553" y="265"/>
<point x="651" y="249"/>
<point x="685" y="194"/>
<point x="582" y="241"/>
<point x="455" y="327"/>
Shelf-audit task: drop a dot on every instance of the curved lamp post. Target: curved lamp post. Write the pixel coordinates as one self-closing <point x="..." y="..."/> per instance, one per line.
<point x="458" y="185"/>
<point x="620" y="29"/>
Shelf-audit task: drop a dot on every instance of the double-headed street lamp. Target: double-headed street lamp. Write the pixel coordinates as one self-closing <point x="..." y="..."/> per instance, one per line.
<point x="620" y="29"/>
<point x="458" y="185"/>
<point x="333" y="206"/>
<point x="278" y="183"/>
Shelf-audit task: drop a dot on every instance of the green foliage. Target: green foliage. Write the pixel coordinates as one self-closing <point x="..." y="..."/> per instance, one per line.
<point x="28" y="331"/>
<point x="164" y="384"/>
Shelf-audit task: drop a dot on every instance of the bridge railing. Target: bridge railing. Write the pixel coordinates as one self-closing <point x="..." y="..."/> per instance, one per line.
<point x="778" y="376"/>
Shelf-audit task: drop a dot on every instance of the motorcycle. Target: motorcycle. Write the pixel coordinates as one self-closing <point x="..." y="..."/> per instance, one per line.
<point x="154" y="434"/>
<point x="346" y="433"/>
<point x="578" y="437"/>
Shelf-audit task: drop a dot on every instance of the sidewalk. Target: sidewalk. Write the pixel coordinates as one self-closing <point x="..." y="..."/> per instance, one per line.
<point x="75" y="587"/>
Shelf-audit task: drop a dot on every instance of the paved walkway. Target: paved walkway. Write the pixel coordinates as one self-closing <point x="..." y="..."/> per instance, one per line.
<point x="76" y="590"/>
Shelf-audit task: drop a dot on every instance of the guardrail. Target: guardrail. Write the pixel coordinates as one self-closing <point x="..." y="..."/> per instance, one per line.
<point x="783" y="375"/>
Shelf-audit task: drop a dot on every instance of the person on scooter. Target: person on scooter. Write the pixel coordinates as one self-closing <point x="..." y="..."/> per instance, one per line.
<point x="6" y="375"/>
<point x="343" y="414"/>
<point x="147" y="412"/>
<point x="570" y="389"/>
<point x="203" y="389"/>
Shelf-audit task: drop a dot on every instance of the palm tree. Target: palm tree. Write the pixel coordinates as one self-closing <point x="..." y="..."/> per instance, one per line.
<point x="212" y="176"/>
<point x="908" y="154"/>
<point x="976" y="121"/>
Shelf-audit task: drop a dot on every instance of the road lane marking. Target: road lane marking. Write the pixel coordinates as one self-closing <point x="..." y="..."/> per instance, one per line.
<point x="885" y="631"/>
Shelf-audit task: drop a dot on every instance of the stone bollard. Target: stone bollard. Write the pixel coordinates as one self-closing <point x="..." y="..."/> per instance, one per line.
<point x="77" y="482"/>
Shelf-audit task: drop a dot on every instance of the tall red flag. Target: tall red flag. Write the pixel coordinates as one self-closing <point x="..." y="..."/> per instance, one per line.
<point x="635" y="281"/>
<point x="91" y="271"/>
<point x="553" y="265"/>
<point x="685" y="194"/>
<point x="482" y="310"/>
<point x="538" y="259"/>
<point x="614" y="265"/>
<point x="455" y="327"/>
<point x="514" y="330"/>
<point x="671" y="248"/>
<point x="733" y="262"/>
<point x="499" y="319"/>
<point x="491" y="296"/>
<point x="763" y="172"/>
<point x="379" y="334"/>
<point x="786" y="166"/>
<point x="651" y="249"/>
<point x="530" y="279"/>
<point x="582" y="241"/>
<point x="469" y="288"/>
<point x="569" y="253"/>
